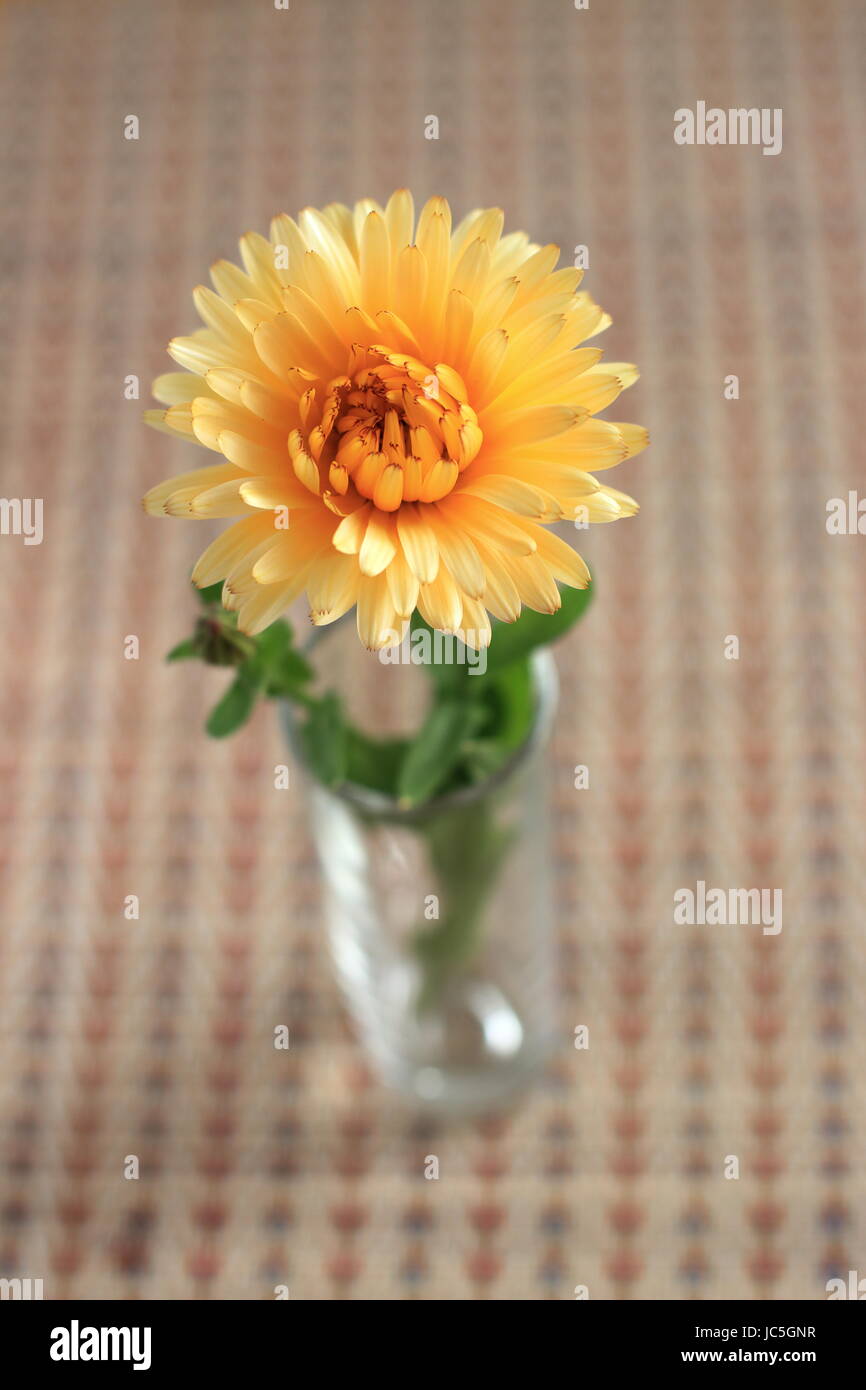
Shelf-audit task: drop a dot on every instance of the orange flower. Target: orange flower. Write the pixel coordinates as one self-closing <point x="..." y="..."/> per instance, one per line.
<point x="401" y="412"/>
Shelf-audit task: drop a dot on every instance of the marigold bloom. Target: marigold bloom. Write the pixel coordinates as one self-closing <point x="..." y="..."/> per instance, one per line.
<point x="401" y="412"/>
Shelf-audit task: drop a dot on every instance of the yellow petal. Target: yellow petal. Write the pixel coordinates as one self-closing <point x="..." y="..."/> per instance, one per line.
<point x="486" y="521"/>
<point x="495" y="303"/>
<point x="378" y="623"/>
<point x="341" y="218"/>
<point x="225" y="382"/>
<point x="252" y="312"/>
<point x="231" y="282"/>
<point x="400" y="219"/>
<point x="221" y="501"/>
<point x="434" y="241"/>
<point x="397" y="332"/>
<point x="486" y="361"/>
<point x="441" y="603"/>
<point x="564" y="563"/>
<point x="388" y="492"/>
<point x="535" y="583"/>
<point x="452" y="381"/>
<point x="220" y="317"/>
<point x="634" y="437"/>
<point x="375" y="263"/>
<point x="257" y="254"/>
<point x="402" y="585"/>
<point x="627" y="505"/>
<point x="587" y="318"/>
<point x="440" y="480"/>
<point x="511" y="493"/>
<point x="601" y="385"/>
<point x="459" y="553"/>
<point x="351" y="531"/>
<point x="306" y="472"/>
<point x="465" y="231"/>
<point x="474" y="630"/>
<point x="284" y="343"/>
<point x="289" y="248"/>
<point x="410" y="287"/>
<point x="267" y="604"/>
<point x="378" y="547"/>
<point x="418" y="543"/>
<point x="314" y="322"/>
<point x="252" y="458"/>
<point x="210" y="417"/>
<point x="229" y="549"/>
<point x="594" y="445"/>
<point x="332" y="586"/>
<point x="500" y="591"/>
<point x="321" y="235"/>
<point x="325" y="288"/>
<point x="457" y="331"/>
<point x="168" y="423"/>
<point x="198" y="353"/>
<point x="266" y="405"/>
<point x="511" y="253"/>
<point x="269" y="493"/>
<point x="156" y="501"/>
<point x="516" y="427"/>
<point x="295" y="550"/>
<point x="173" y="388"/>
<point x="473" y="270"/>
<point x="534" y="271"/>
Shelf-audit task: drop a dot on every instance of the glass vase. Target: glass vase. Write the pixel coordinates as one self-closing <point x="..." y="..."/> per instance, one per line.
<point x="439" y="917"/>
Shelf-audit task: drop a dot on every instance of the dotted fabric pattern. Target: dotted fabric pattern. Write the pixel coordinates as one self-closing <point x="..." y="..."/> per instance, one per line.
<point x="155" y="1037"/>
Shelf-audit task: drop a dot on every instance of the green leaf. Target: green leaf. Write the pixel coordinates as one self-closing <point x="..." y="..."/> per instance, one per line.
<point x="375" y="763"/>
<point x="511" y="695"/>
<point x="275" y="663"/>
<point x="506" y="707"/>
<point x="265" y="664"/>
<point x="268" y="649"/>
<point x="324" y="739"/>
<point x="482" y="757"/>
<point x="235" y="707"/>
<point x="511" y="641"/>
<point x="187" y="650"/>
<point x="271" y="643"/>
<point x="211" y="594"/>
<point x="435" y="750"/>
<point x="288" y="673"/>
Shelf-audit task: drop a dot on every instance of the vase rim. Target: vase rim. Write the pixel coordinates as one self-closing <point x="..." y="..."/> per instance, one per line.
<point x="546" y="690"/>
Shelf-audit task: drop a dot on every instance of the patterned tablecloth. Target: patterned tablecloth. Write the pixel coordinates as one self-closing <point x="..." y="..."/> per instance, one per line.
<point x="154" y="1037"/>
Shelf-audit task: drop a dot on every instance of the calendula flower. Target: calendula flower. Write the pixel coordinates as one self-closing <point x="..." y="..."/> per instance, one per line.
<point x="400" y="412"/>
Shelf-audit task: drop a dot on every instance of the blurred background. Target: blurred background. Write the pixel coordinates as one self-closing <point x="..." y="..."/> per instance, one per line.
<point x="154" y="1037"/>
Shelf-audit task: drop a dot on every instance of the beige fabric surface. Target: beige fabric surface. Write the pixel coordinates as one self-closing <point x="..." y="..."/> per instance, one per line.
<point x="152" y="1037"/>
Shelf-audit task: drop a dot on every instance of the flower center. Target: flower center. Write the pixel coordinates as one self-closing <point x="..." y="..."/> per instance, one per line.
<point x="393" y="429"/>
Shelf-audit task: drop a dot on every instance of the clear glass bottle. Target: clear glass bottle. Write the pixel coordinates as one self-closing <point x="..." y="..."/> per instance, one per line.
<point x="440" y="917"/>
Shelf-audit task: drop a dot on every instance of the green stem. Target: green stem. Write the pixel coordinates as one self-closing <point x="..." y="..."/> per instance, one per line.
<point x="466" y="848"/>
